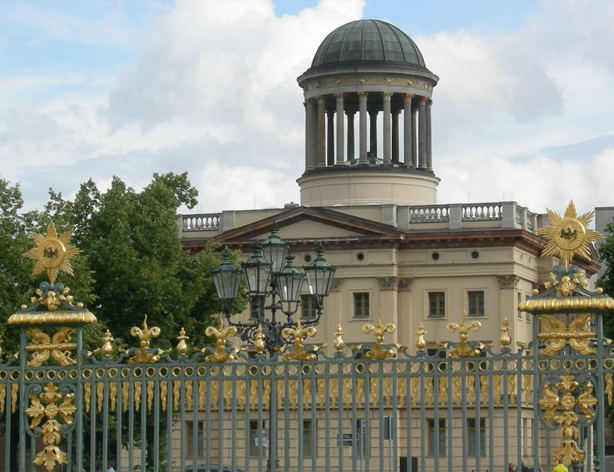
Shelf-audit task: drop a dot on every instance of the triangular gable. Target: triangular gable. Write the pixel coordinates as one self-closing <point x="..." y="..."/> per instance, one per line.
<point x="305" y="223"/>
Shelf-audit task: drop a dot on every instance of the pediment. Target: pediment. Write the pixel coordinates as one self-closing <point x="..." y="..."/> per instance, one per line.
<point x="305" y="223"/>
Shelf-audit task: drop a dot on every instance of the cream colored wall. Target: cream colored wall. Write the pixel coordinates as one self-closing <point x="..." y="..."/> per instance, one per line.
<point x="312" y="229"/>
<point x="357" y="188"/>
<point x="398" y="282"/>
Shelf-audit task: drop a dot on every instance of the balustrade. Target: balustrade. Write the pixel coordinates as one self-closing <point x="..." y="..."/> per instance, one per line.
<point x="482" y="211"/>
<point x="202" y="222"/>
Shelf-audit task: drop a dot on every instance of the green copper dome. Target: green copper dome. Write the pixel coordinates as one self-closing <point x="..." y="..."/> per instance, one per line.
<point x="368" y="43"/>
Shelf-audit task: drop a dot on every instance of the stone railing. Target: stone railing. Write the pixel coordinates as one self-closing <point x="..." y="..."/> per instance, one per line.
<point x="462" y="215"/>
<point x="201" y="222"/>
<point x="482" y="211"/>
<point x="429" y="214"/>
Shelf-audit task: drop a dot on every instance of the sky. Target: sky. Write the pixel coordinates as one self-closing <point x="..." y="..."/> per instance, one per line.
<point x="97" y="88"/>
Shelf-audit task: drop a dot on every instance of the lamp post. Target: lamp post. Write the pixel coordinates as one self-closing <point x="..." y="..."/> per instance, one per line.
<point x="275" y="285"/>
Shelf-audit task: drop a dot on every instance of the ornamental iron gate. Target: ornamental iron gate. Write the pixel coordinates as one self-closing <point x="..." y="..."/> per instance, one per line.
<point x="464" y="407"/>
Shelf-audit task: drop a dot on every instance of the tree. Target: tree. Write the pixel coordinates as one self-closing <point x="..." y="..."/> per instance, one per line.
<point x="606" y="257"/>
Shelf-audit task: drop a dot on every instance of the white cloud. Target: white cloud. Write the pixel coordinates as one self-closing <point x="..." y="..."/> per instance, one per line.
<point x="214" y="92"/>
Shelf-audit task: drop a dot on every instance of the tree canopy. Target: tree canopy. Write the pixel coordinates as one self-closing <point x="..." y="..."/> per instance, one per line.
<point x="131" y="265"/>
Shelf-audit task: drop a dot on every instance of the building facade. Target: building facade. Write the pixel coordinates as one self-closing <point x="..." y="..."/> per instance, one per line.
<point x="369" y="197"/>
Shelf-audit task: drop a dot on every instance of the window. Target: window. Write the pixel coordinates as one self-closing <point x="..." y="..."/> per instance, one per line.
<point x="437" y="304"/>
<point x="258" y="438"/>
<point x="475" y="303"/>
<point x="192" y="434"/>
<point x="519" y="300"/>
<point x="309" y="449"/>
<point x="308" y="307"/>
<point x="361" y="304"/>
<point x="360" y="444"/>
<point x="472" y="437"/>
<point x="436" y="438"/>
<point x="255" y="305"/>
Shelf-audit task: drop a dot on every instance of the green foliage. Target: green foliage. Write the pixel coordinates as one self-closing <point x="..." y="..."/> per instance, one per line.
<point x="606" y="257"/>
<point x="131" y="264"/>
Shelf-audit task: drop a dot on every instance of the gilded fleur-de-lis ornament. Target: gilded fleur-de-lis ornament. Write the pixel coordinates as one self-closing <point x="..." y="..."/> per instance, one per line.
<point x="298" y="335"/>
<point x="463" y="348"/>
<point x="221" y="353"/>
<point x="380" y="330"/>
<point x="145" y="354"/>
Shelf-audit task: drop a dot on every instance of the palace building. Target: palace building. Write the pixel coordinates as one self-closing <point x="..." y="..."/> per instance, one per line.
<point x="369" y="197"/>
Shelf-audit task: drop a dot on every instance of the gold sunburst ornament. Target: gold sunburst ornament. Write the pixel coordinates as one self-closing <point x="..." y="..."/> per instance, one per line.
<point x="52" y="253"/>
<point x="569" y="236"/>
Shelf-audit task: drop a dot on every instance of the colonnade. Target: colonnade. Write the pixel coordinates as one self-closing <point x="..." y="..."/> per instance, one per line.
<point x="329" y="143"/>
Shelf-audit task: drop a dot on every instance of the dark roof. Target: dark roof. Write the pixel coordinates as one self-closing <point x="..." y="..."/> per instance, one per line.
<point x="368" y="42"/>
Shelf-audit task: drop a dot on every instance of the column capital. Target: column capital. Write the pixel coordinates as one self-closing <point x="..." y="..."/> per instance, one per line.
<point x="407" y="97"/>
<point x="388" y="283"/>
<point x="362" y="94"/>
<point x="321" y="99"/>
<point x="429" y="102"/>
<point x="508" y="281"/>
<point x="387" y="94"/>
<point x="338" y="94"/>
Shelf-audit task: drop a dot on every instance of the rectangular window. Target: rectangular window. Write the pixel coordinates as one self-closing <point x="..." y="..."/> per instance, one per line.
<point x="437" y="304"/>
<point x="308" y="307"/>
<point x="472" y="437"/>
<point x="309" y="449"/>
<point x="475" y="303"/>
<point x="256" y="305"/>
<point x="258" y="438"/>
<point x="519" y="300"/>
<point x="361" y="448"/>
<point x="361" y="304"/>
<point x="436" y="437"/>
<point x="192" y="434"/>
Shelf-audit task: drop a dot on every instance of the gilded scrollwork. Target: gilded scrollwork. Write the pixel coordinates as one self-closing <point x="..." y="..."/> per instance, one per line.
<point x="57" y="346"/>
<point x="556" y="333"/>
<point x="566" y="403"/>
<point x="46" y="410"/>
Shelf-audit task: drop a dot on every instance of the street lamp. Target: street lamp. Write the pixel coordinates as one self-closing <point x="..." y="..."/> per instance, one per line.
<point x="267" y="277"/>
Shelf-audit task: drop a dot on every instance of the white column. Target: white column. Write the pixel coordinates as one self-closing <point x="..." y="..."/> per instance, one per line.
<point x="330" y="137"/>
<point x="373" y="133"/>
<point x="387" y="137"/>
<point x="321" y="140"/>
<point x="414" y="139"/>
<point x="422" y="135"/>
<point x="309" y="135"/>
<point x="429" y="148"/>
<point x="350" y="115"/>
<point x="340" y="130"/>
<point x="362" y="106"/>
<point x="395" y="135"/>
<point x="407" y="132"/>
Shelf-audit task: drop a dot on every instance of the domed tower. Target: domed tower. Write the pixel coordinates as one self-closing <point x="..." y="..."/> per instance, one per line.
<point x="373" y="69"/>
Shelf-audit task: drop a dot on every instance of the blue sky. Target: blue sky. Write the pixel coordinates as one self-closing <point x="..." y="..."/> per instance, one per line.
<point x="128" y="88"/>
